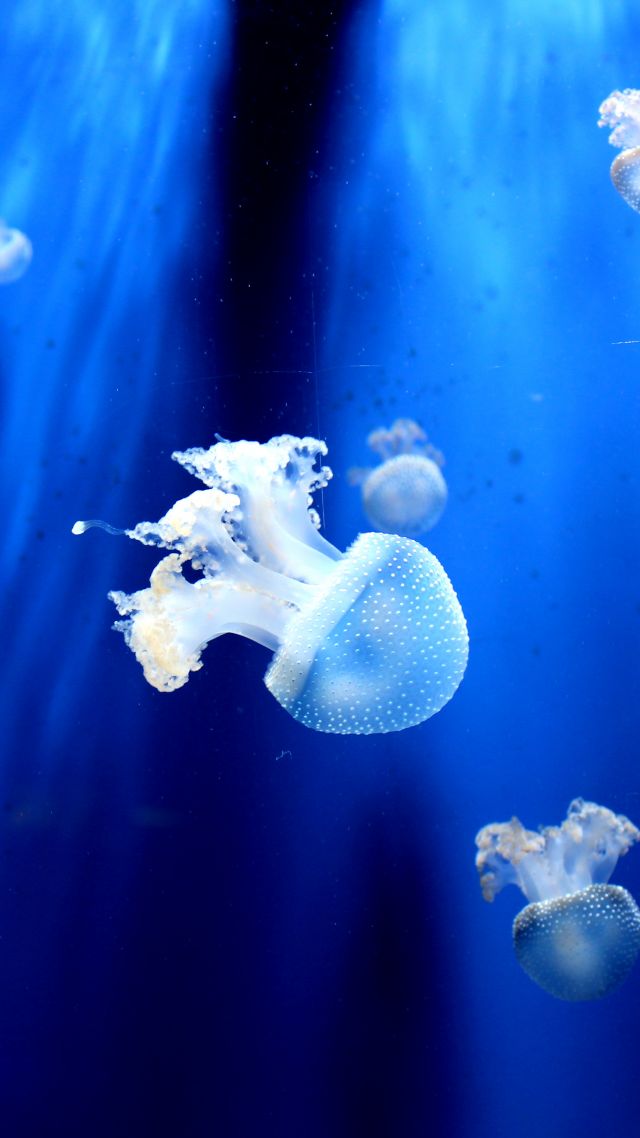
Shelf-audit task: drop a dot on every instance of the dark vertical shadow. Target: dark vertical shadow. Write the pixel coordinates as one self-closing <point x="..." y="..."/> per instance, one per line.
<point x="391" y="1048"/>
<point x="272" y="140"/>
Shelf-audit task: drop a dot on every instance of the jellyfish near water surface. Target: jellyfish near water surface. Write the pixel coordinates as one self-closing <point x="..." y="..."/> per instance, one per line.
<point x="368" y="641"/>
<point x="621" y="111"/>
<point x="406" y="494"/>
<point x="579" y="937"/>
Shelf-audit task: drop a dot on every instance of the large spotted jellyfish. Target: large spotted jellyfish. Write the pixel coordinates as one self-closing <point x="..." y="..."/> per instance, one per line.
<point x="371" y="640"/>
<point x="579" y="937"/>
<point x="406" y="494"/>
<point x="15" y="253"/>
<point x="621" y="110"/>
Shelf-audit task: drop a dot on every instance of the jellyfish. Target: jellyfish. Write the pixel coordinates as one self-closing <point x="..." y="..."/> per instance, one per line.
<point x="406" y="494"/>
<point x="622" y="112"/>
<point x="16" y="252"/>
<point x="578" y="937"/>
<point x="367" y="641"/>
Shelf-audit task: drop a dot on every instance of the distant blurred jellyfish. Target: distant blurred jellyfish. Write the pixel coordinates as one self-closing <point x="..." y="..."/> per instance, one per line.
<point x="579" y="937"/>
<point x="372" y="640"/>
<point x="622" y="112"/>
<point x="16" y="252"/>
<point x="407" y="493"/>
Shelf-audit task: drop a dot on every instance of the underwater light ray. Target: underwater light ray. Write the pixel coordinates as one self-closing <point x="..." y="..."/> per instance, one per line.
<point x="111" y="204"/>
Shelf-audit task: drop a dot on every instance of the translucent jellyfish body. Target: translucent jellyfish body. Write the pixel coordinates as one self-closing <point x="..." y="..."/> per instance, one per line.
<point x="372" y="640"/>
<point x="15" y="254"/>
<point x="407" y="493"/>
<point x="621" y="111"/>
<point x="579" y="937"/>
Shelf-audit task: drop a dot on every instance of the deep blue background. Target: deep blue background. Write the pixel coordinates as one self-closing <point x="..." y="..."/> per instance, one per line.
<point x="245" y="220"/>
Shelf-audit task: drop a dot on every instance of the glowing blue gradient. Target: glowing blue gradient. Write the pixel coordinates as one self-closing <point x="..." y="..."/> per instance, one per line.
<point x="478" y="132"/>
<point x="104" y="120"/>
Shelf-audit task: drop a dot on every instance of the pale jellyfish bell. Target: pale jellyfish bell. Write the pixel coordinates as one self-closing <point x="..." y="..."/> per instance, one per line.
<point x="622" y="112"/>
<point x="579" y="937"/>
<point x="367" y="641"/>
<point x="16" y="252"/>
<point x="406" y="494"/>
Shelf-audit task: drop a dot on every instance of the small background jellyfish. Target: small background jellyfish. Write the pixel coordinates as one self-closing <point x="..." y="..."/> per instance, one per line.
<point x="579" y="937"/>
<point x="16" y="252"/>
<point x="407" y="493"/>
<point x="622" y="112"/>
<point x="372" y="640"/>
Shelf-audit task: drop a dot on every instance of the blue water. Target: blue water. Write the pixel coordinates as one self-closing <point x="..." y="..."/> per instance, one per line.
<point x="248" y="221"/>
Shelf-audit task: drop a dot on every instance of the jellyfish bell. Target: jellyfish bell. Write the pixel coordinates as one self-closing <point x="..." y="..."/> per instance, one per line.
<point x="579" y="947"/>
<point x="16" y="252"/>
<point x="625" y="175"/>
<point x="368" y="641"/>
<point x="578" y="937"/>
<point x="406" y="494"/>
<point x="361" y="657"/>
<point x="621" y="111"/>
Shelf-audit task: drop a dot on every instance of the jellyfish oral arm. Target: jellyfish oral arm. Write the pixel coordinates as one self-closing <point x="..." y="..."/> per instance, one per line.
<point x="621" y="111"/>
<point x="507" y="856"/>
<point x="404" y="436"/>
<point x="169" y="624"/>
<point x="558" y="860"/>
<point x="273" y="514"/>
